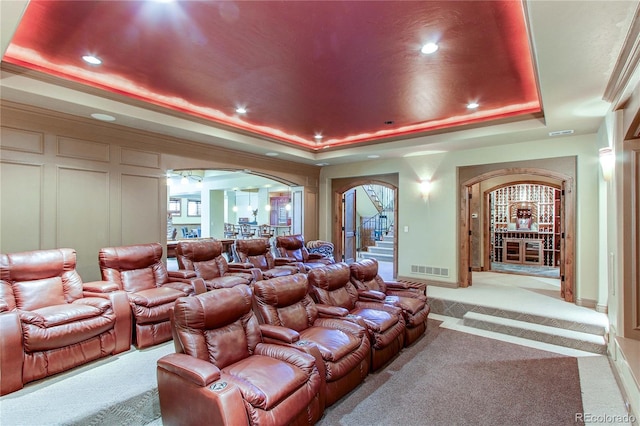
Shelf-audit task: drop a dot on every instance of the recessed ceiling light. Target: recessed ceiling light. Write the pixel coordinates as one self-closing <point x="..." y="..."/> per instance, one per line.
<point x="373" y="156"/>
<point x="241" y="110"/>
<point x="271" y="154"/>
<point x="317" y="136"/>
<point x="429" y="48"/>
<point x="388" y="122"/>
<point x="93" y="60"/>
<point x="473" y="105"/>
<point x="103" y="117"/>
<point x="322" y="164"/>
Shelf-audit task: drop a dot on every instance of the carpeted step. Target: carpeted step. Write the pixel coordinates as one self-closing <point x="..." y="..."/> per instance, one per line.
<point x="386" y="251"/>
<point x="541" y="333"/>
<point x="378" y="256"/>
<point x="386" y="243"/>
<point x="457" y="309"/>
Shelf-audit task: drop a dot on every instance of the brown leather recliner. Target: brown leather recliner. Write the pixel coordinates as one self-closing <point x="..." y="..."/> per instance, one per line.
<point x="293" y="247"/>
<point x="206" y="259"/>
<point x="152" y="290"/>
<point x="50" y="321"/>
<point x="257" y="251"/>
<point x="332" y="287"/>
<point x="290" y="316"/>
<point x="227" y="375"/>
<point x="371" y="287"/>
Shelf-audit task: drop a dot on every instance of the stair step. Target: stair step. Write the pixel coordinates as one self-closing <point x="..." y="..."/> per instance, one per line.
<point x="377" y="256"/>
<point x="457" y="309"/>
<point x="537" y="332"/>
<point x="385" y="243"/>
<point x="380" y="250"/>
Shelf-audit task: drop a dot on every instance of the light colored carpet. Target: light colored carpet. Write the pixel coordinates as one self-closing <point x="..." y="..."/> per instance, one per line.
<point x="118" y="390"/>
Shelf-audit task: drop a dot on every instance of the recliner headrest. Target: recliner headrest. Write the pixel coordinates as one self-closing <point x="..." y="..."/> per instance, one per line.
<point x="198" y="251"/>
<point x="364" y="270"/>
<point x="213" y="309"/>
<point x="330" y="277"/>
<point x="282" y="291"/>
<point x="127" y="258"/>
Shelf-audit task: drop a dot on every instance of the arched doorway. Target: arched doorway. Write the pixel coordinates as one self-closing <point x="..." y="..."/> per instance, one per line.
<point x="341" y="224"/>
<point x="567" y="222"/>
<point x="519" y="227"/>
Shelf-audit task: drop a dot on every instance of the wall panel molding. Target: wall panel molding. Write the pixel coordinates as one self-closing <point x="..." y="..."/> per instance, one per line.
<point x="22" y="140"/>
<point x="82" y="149"/>
<point x="21" y="206"/>
<point x="140" y="196"/>
<point x="135" y="157"/>
<point x="82" y="210"/>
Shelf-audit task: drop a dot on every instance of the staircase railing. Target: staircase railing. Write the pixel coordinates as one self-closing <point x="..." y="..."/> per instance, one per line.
<point x="374" y="228"/>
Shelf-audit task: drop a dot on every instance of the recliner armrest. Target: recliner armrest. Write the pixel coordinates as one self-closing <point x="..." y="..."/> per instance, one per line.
<point x="328" y="311"/>
<point x="197" y="371"/>
<point x="196" y="283"/>
<point x="300" y="359"/>
<point x="394" y="310"/>
<point x="396" y="285"/>
<point x="371" y="295"/>
<point x="280" y="261"/>
<point x="281" y="334"/>
<point x="182" y="274"/>
<point x="100" y="287"/>
<point x="351" y="327"/>
<point x="11" y="352"/>
<point x="240" y="265"/>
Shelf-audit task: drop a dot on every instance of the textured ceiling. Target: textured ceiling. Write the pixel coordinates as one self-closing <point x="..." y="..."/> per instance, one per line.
<point x="350" y="71"/>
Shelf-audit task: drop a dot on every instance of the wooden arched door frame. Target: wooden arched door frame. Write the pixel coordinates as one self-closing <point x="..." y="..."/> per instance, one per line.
<point x="567" y="250"/>
<point x="486" y="228"/>
<point x="339" y="187"/>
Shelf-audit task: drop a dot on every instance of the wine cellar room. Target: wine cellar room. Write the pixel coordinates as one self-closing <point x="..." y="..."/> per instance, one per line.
<point x="519" y="228"/>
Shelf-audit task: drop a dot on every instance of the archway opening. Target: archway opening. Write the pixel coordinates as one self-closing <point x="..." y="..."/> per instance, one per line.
<point x="366" y="211"/>
<point x="471" y="203"/>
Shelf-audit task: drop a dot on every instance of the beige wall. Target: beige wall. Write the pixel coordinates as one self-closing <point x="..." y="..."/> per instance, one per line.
<point x="433" y="222"/>
<point x="72" y="182"/>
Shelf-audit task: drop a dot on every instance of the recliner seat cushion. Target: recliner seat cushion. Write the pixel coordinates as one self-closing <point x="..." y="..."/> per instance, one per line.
<point x="376" y="319"/>
<point x="156" y="296"/>
<point x="51" y="327"/>
<point x="279" y="272"/>
<point x="333" y="344"/>
<point x="263" y="381"/>
<point x="227" y="281"/>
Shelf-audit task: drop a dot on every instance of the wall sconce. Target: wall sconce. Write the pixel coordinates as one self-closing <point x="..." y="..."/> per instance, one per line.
<point x="606" y="162"/>
<point x="268" y="207"/>
<point x="234" y="208"/>
<point x="287" y="207"/>
<point x="425" y="187"/>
